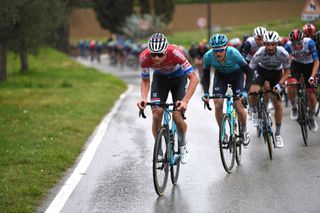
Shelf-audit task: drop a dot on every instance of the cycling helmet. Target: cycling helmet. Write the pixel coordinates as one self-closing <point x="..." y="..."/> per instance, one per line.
<point x="218" y="41"/>
<point x="157" y="43"/>
<point x="259" y="31"/>
<point x="318" y="36"/>
<point x="271" y="37"/>
<point x="309" y="30"/>
<point x="296" y="35"/>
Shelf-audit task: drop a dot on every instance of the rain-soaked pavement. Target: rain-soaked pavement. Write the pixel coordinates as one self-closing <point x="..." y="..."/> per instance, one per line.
<point x="119" y="178"/>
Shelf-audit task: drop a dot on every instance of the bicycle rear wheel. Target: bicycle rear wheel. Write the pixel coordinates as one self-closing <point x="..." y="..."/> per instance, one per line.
<point x="160" y="166"/>
<point x="267" y="132"/>
<point x="303" y="120"/>
<point x="175" y="169"/>
<point x="226" y="143"/>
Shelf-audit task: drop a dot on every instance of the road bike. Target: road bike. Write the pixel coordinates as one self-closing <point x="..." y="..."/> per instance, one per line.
<point x="166" y="153"/>
<point x="264" y="127"/>
<point x="230" y="140"/>
<point x="303" y="109"/>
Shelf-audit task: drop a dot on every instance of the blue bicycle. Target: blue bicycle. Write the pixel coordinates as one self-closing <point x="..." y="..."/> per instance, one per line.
<point x="230" y="140"/>
<point x="166" y="151"/>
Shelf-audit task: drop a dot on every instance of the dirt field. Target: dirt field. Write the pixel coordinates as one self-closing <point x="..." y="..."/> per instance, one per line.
<point x="84" y="24"/>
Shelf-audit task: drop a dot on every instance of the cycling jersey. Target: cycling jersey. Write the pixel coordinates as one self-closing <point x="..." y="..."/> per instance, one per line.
<point x="276" y="61"/>
<point x="174" y="65"/>
<point x="233" y="61"/>
<point x="227" y="71"/>
<point x="250" y="47"/>
<point x="307" y="54"/>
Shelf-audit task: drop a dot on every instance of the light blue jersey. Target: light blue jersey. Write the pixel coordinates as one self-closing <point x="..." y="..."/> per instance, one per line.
<point x="232" y="63"/>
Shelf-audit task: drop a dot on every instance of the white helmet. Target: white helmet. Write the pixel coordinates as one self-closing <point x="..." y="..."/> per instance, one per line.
<point x="271" y="37"/>
<point x="157" y="43"/>
<point x="259" y="31"/>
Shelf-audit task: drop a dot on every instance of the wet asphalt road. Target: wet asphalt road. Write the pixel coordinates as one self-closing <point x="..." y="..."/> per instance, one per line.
<point x="119" y="179"/>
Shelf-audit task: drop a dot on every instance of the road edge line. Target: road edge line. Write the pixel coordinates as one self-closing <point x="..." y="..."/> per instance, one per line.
<point x="64" y="193"/>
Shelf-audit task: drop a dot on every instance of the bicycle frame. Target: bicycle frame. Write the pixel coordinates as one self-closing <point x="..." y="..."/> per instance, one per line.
<point x="171" y="131"/>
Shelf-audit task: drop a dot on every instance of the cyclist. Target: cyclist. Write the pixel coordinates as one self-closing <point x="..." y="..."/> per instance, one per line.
<point x="309" y="30"/>
<point x="171" y="70"/>
<point x="229" y="67"/>
<point x="304" y="61"/>
<point x="269" y="62"/>
<point x="253" y="43"/>
<point x="250" y="47"/>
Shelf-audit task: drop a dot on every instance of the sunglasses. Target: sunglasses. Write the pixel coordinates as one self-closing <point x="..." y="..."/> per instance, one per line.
<point x="160" y="55"/>
<point x="296" y="43"/>
<point x="218" y="51"/>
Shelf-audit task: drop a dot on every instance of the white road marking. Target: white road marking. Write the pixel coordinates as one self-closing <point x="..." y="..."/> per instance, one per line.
<point x="65" y="192"/>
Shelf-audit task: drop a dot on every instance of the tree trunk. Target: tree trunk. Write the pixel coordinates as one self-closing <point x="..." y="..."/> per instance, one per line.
<point x="62" y="42"/>
<point x="3" y="61"/>
<point x="24" y="61"/>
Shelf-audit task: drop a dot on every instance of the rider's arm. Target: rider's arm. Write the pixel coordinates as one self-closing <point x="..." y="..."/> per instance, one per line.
<point x="249" y="76"/>
<point x="206" y="73"/>
<point x="193" y="82"/>
<point x="245" y="68"/>
<point x="145" y="87"/>
<point x="284" y="76"/>
<point x="315" y="58"/>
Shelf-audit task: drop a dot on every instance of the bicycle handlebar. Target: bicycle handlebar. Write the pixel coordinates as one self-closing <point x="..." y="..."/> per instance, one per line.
<point x="262" y="92"/>
<point x="163" y="105"/>
<point x="234" y="97"/>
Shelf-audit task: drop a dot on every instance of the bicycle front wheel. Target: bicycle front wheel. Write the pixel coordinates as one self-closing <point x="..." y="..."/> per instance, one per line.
<point x="160" y="166"/>
<point x="303" y="120"/>
<point x="175" y="169"/>
<point x="267" y="132"/>
<point x="226" y="143"/>
<point x="237" y="139"/>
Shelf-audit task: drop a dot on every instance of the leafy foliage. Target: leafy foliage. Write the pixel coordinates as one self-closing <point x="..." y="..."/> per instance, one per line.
<point x="112" y="14"/>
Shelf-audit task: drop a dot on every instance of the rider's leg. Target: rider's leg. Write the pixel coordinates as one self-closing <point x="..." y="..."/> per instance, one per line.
<point x="218" y="105"/>
<point x="181" y="126"/>
<point x="278" y="114"/>
<point x="242" y="115"/>
<point x="292" y="96"/>
<point x="156" y="120"/>
<point x="253" y="98"/>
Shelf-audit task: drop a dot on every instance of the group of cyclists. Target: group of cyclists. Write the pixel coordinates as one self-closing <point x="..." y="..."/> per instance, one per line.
<point x="264" y="60"/>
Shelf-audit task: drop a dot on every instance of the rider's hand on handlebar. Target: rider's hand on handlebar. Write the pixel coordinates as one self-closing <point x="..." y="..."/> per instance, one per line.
<point x="277" y="88"/>
<point x="312" y="81"/>
<point x="205" y="98"/>
<point x="181" y="105"/>
<point x="243" y="95"/>
<point x="142" y="104"/>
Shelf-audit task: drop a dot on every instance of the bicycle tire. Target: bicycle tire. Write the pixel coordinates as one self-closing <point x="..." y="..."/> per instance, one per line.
<point x="227" y="145"/>
<point x="318" y="107"/>
<point x="238" y="139"/>
<point x="175" y="169"/>
<point x="160" y="162"/>
<point x="303" y="120"/>
<point x="267" y="132"/>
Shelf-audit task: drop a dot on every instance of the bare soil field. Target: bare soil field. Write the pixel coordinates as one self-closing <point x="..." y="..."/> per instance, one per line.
<point x="84" y="23"/>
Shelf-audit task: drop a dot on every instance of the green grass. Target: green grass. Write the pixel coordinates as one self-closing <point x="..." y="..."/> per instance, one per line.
<point x="213" y="1"/>
<point x="283" y="27"/>
<point x="46" y="117"/>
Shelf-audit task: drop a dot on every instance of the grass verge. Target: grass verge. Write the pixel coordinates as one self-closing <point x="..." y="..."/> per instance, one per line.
<point x="46" y="117"/>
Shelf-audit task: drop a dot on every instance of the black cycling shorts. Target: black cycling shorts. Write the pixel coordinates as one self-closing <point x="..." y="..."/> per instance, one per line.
<point x="221" y="81"/>
<point x="273" y="76"/>
<point x="298" y="68"/>
<point x="162" y="85"/>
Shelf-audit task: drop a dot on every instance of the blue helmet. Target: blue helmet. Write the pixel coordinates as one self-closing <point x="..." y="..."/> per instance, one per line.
<point x="218" y="41"/>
